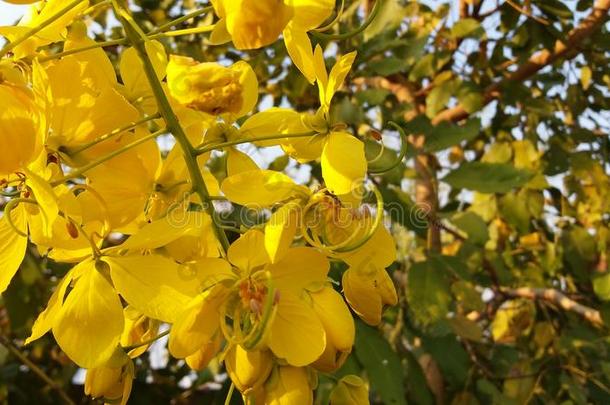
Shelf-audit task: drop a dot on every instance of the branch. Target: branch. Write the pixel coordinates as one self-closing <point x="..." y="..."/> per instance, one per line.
<point x="592" y="22"/>
<point x="557" y="298"/>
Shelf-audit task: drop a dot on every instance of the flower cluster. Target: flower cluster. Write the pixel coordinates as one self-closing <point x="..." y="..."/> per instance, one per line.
<point x="87" y="184"/>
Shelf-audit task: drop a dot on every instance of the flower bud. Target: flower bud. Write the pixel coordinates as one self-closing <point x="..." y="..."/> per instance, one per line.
<point x="350" y="390"/>
<point x="111" y="383"/>
<point x="248" y="369"/>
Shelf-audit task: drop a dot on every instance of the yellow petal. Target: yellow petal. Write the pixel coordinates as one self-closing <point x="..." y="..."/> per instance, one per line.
<point x="288" y="386"/>
<point x="197" y="324"/>
<point x="338" y="74"/>
<point x="261" y="188"/>
<point x="309" y="14"/>
<point x="12" y="246"/>
<point x="98" y="64"/>
<point x="134" y="78"/>
<point x="248" y="251"/>
<point x="343" y="163"/>
<point x="22" y="128"/>
<point x="249" y="84"/>
<point x="202" y="357"/>
<point x="299" y="48"/>
<point x="165" y="230"/>
<point x="300" y="268"/>
<point x="379" y="250"/>
<point x="270" y="122"/>
<point x="254" y="24"/>
<point x="367" y="290"/>
<point x="336" y="318"/>
<point x="281" y="229"/>
<point x="47" y="318"/>
<point x="248" y="369"/>
<point x="238" y="162"/>
<point x="156" y="286"/>
<point x="45" y="198"/>
<point x="296" y="333"/>
<point x="220" y="35"/>
<point x="89" y="325"/>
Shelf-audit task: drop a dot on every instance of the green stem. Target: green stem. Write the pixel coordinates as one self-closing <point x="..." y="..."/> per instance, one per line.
<point x="77" y="173"/>
<point x="355" y="32"/>
<point x="30" y="33"/>
<point x="206" y="148"/>
<point x="154" y="34"/>
<point x="69" y="52"/>
<point x="186" y="17"/>
<point x="112" y="134"/>
<point x="230" y="394"/>
<point x="173" y="125"/>
<point x="36" y="370"/>
<point x="146" y="342"/>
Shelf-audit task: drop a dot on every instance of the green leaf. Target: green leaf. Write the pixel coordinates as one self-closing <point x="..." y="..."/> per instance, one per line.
<point x="372" y="97"/>
<point x="382" y="364"/>
<point x="403" y="211"/>
<point x="446" y="134"/>
<point x="470" y="97"/>
<point x="467" y="27"/>
<point x="601" y="286"/>
<point x="439" y="97"/>
<point x="487" y="177"/>
<point x="428" y="291"/>
<point x="473" y="225"/>
<point x="554" y="8"/>
<point x="388" y="66"/>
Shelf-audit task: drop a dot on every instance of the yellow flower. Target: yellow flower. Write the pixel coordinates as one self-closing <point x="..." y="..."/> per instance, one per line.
<point x="212" y="88"/>
<point x="22" y="127"/>
<point x="350" y="390"/>
<point x="253" y="24"/>
<point x="269" y="303"/>
<point x="289" y="385"/>
<point x="343" y="161"/>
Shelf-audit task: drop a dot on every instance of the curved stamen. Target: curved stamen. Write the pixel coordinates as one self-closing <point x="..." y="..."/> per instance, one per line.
<point x="9" y="208"/>
<point x="401" y="154"/>
<point x="355" y="32"/>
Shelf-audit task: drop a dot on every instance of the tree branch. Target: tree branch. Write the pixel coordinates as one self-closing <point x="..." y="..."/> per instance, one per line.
<point x="565" y="49"/>
<point x="557" y="298"/>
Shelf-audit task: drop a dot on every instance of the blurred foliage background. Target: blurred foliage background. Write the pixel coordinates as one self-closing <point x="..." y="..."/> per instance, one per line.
<point x="500" y="210"/>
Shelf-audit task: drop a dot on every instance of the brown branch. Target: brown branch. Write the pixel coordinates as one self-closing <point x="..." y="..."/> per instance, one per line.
<point x="557" y="298"/>
<point x="566" y="49"/>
